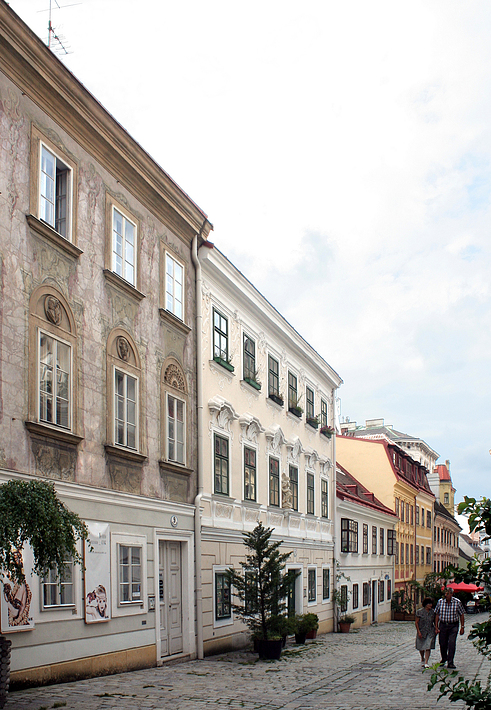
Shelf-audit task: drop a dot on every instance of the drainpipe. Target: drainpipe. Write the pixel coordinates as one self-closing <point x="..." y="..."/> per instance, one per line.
<point x="199" y="422"/>
<point x="335" y="425"/>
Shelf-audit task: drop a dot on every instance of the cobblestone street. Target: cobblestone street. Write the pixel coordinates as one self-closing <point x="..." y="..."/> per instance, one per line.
<point x="374" y="668"/>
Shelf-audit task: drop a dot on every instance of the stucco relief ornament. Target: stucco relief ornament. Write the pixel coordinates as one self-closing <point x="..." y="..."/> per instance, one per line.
<point x="250" y="427"/>
<point x="123" y="348"/>
<point x="326" y="466"/>
<point x="294" y="449"/>
<point x="312" y="457"/>
<point x="174" y="378"/>
<point x="222" y="412"/>
<point x="286" y="492"/>
<point x="53" y="310"/>
<point x="274" y="439"/>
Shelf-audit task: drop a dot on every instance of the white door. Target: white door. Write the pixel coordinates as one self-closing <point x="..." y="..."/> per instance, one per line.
<point x="170" y="598"/>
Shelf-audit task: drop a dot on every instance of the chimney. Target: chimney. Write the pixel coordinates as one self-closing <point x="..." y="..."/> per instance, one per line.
<point x="447" y="464"/>
<point x="371" y="423"/>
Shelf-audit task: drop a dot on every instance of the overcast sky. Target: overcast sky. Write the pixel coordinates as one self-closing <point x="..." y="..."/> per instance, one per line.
<point x="342" y="151"/>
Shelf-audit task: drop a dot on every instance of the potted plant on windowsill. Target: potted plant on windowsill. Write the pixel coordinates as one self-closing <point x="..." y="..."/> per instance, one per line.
<point x="252" y="380"/>
<point x="327" y="431"/>
<point x="345" y="623"/>
<point x="262" y="587"/>
<point x="306" y="626"/>
<point x="312" y="421"/>
<point x="277" y="398"/>
<point x="224" y="363"/>
<point x="294" y="406"/>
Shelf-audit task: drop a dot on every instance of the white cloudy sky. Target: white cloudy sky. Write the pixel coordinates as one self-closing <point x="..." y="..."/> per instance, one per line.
<point x="342" y="151"/>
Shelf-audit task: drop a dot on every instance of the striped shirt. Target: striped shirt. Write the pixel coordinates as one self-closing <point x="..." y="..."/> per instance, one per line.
<point x="449" y="612"/>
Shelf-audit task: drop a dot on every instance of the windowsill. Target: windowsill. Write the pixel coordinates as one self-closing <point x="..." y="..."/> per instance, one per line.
<point x="250" y="388"/>
<point x="221" y="369"/>
<point x="122" y="453"/>
<point x="46" y="231"/>
<point x="174" y="320"/>
<point x="124" y="285"/>
<point x="175" y="467"/>
<point x="50" y="432"/>
<point x="222" y="496"/>
<point x="293" y="417"/>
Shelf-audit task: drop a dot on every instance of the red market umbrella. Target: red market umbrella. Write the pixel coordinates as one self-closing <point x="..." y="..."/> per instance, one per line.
<point x="463" y="587"/>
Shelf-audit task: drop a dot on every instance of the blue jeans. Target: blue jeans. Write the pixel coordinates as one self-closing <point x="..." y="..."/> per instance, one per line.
<point x="448" y="639"/>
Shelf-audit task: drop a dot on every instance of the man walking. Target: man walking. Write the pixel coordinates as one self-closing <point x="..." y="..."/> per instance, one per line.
<point x="448" y="612"/>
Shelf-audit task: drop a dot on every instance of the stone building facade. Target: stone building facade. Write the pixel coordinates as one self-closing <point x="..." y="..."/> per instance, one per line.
<point x="98" y="366"/>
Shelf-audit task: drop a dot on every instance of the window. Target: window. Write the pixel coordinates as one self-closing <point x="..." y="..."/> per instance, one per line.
<point x="130" y="575"/>
<point x="407" y="553"/>
<point x="274" y="482"/>
<point x="407" y="512"/>
<point x="323" y="413"/>
<point x="366" y="594"/>
<point x="391" y="538"/>
<point x="422" y="555"/>
<point x="324" y="498"/>
<point x="417" y="554"/>
<point x="397" y="553"/>
<point x="417" y="515"/>
<point x="220" y="336"/>
<point x="389" y="590"/>
<point x="365" y="539"/>
<point x="428" y="518"/>
<point x="292" y="391"/>
<point x="446" y="498"/>
<point x="124" y="246"/>
<point x="57" y="589"/>
<point x="412" y="515"/>
<point x="273" y="377"/>
<point x="374" y="540"/>
<point x="221" y="465"/>
<point x="382" y="541"/>
<point x="250" y="590"/>
<point x="249" y="359"/>
<point x="397" y="507"/>
<point x="381" y="591"/>
<point x="249" y="473"/>
<point x="311" y="585"/>
<point x="411" y="557"/>
<point x="55" y="192"/>
<point x="402" y="511"/>
<point x="309" y="399"/>
<point x="355" y="596"/>
<point x="293" y="470"/>
<point x="326" y="583"/>
<point x="54" y="381"/>
<point x="349" y="535"/>
<point x="344" y="598"/>
<point x="125" y="409"/>
<point x="174" y="287"/>
<point x="175" y="429"/>
<point x="428" y="555"/>
<point x="223" y="609"/>
<point x="310" y="494"/>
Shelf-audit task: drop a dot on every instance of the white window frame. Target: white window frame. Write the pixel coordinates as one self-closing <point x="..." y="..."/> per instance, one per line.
<point x="218" y="623"/>
<point x="308" y="473"/>
<point x="134" y="265"/>
<point x="115" y="409"/>
<point x="171" y="279"/>
<point x="222" y="435"/>
<point x="167" y="425"/>
<point x="47" y="334"/>
<point x="249" y="445"/>
<point x="311" y="602"/>
<point x="69" y="191"/>
<point x="326" y="480"/>
<point x="326" y="600"/>
<point x="58" y="582"/>
<point x="130" y="608"/>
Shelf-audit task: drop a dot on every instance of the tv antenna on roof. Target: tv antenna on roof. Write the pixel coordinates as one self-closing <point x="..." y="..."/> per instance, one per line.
<point x="57" y="42"/>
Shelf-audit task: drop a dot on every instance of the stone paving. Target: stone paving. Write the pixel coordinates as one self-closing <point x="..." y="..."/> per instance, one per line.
<point x="374" y="668"/>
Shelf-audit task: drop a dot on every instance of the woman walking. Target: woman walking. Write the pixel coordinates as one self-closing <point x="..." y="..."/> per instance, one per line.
<point x="425" y="628"/>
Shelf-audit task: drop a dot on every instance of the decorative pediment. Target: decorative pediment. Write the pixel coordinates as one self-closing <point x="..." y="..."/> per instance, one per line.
<point x="222" y="412"/>
<point x="250" y="427"/>
<point x="311" y="458"/>
<point x="274" y="439"/>
<point x="326" y="465"/>
<point x="294" y="448"/>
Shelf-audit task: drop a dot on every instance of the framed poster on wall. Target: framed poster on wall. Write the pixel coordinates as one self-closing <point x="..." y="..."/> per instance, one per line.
<point x="97" y="574"/>
<point x="16" y="598"/>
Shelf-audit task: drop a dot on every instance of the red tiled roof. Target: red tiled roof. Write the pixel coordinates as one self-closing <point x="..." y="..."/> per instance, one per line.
<point x="443" y="472"/>
<point x="348" y="487"/>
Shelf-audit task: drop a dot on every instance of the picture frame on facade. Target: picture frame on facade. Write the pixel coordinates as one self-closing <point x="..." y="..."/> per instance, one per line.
<point x="97" y="574"/>
<point x="16" y="612"/>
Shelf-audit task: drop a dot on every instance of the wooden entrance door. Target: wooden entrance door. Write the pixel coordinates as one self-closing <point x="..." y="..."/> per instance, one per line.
<point x="170" y="597"/>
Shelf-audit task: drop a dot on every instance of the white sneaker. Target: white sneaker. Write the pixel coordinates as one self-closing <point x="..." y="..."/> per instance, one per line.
<point x="426" y="665"/>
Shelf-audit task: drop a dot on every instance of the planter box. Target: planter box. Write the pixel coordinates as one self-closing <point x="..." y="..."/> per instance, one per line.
<point x="252" y="383"/>
<point x="403" y="616"/>
<point x="296" y="411"/>
<point x="227" y="365"/>
<point x="300" y="638"/>
<point x="312" y="634"/>
<point x="325" y="432"/>
<point x="276" y="398"/>
<point x="311" y="421"/>
<point x="270" y="650"/>
<point x="344" y="627"/>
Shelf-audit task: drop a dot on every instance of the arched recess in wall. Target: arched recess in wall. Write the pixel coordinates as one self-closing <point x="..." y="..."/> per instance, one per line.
<point x="174" y="413"/>
<point x="53" y="366"/>
<point x="124" y="395"/>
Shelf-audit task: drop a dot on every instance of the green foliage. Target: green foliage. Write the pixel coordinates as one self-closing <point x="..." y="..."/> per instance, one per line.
<point x="262" y="587"/>
<point x="31" y="512"/>
<point x="471" y="691"/>
<point x="305" y="623"/>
